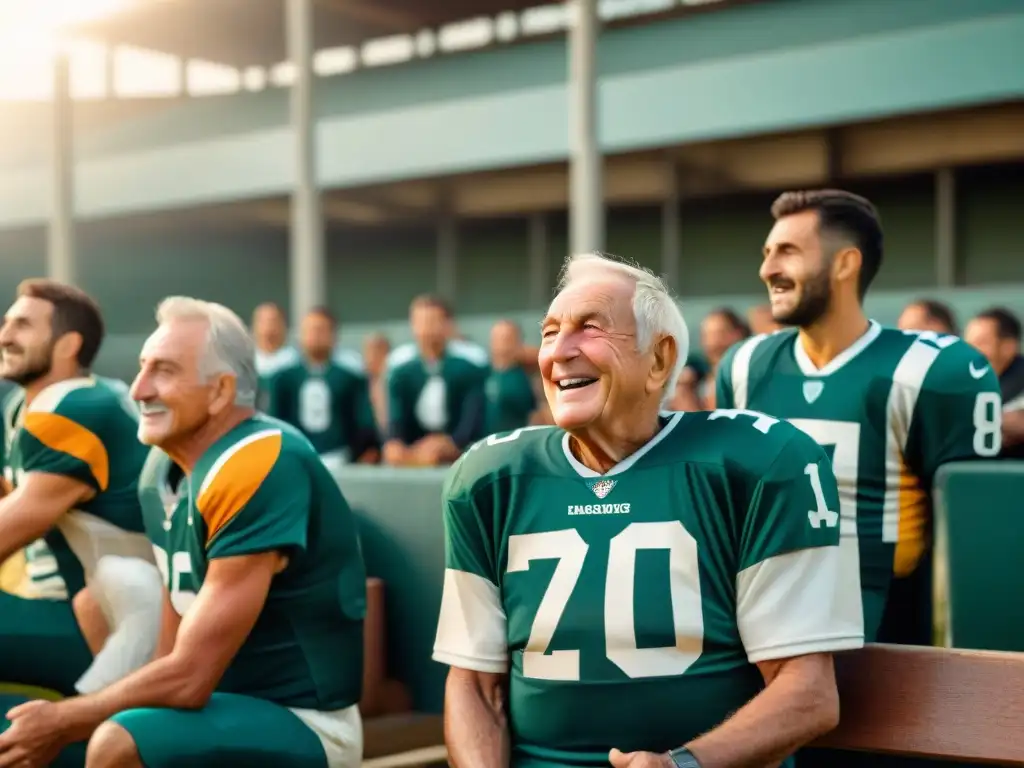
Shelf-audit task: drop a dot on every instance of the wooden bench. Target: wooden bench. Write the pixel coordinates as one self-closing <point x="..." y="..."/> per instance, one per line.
<point x="932" y="702"/>
<point x="899" y="700"/>
<point x="393" y="737"/>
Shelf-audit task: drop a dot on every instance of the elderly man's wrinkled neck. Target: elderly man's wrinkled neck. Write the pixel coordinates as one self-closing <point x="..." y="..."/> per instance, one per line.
<point x="601" y="448"/>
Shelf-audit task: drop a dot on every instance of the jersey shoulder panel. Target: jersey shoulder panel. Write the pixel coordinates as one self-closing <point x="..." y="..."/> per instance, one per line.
<point x="747" y="361"/>
<point x="69" y="417"/>
<point x="766" y="348"/>
<point x="959" y="367"/>
<point x="744" y="442"/>
<point x="117" y="386"/>
<point x="401" y="356"/>
<point x="349" y="361"/>
<point x="522" y="451"/>
<point x="231" y="473"/>
<point x="469" y="352"/>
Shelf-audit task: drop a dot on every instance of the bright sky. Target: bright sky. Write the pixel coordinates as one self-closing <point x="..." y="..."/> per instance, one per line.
<point x="30" y="30"/>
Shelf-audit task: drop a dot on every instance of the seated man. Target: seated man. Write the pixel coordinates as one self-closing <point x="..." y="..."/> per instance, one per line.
<point x="436" y="405"/>
<point x="327" y="400"/>
<point x="635" y="588"/>
<point x="72" y="461"/>
<point x="261" y="652"/>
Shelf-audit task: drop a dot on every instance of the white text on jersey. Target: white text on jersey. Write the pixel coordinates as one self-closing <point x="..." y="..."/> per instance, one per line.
<point x="599" y="509"/>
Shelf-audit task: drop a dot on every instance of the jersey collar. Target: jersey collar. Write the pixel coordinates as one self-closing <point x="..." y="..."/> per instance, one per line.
<point x="808" y="368"/>
<point x="629" y="461"/>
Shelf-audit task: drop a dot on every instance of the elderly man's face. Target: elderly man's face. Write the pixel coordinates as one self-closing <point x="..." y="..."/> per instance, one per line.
<point x="590" y="364"/>
<point x="174" y="397"/>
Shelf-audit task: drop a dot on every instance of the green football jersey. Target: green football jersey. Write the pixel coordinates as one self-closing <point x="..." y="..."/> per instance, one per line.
<point x="329" y="404"/>
<point x="446" y="397"/>
<point x="83" y="429"/>
<point x="263" y="488"/>
<point x="629" y="607"/>
<point x="510" y="400"/>
<point x="889" y="411"/>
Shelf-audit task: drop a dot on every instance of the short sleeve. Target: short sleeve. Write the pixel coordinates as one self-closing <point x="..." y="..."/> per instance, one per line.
<point x="797" y="589"/>
<point x="957" y="415"/>
<point x="472" y="627"/>
<point x="723" y="380"/>
<point x="66" y="443"/>
<point x="256" y="498"/>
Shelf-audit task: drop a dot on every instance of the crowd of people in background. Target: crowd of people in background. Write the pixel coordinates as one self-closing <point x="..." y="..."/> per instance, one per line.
<point x="422" y="403"/>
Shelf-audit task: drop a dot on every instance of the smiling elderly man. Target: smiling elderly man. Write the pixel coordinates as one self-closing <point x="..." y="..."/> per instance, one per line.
<point x="642" y="589"/>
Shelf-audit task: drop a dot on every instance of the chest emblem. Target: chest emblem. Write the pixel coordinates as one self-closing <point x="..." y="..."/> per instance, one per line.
<point x="813" y="389"/>
<point x="602" y="488"/>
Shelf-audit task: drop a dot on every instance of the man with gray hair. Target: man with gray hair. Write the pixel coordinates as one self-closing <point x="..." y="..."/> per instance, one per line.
<point x="727" y="518"/>
<point x="260" y="657"/>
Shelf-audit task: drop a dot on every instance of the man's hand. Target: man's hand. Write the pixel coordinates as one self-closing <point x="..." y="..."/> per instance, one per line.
<point x="439" y="448"/>
<point x="639" y="759"/>
<point x="35" y="737"/>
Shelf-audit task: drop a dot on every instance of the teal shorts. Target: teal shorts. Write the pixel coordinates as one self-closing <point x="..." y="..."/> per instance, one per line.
<point x="40" y="644"/>
<point x="230" y="730"/>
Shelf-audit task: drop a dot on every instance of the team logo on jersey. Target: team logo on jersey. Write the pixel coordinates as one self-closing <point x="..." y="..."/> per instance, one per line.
<point x="813" y="390"/>
<point x="602" y="488"/>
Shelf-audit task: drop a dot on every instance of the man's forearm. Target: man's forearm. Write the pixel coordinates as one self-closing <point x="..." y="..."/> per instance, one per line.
<point x="475" y="730"/>
<point x="165" y="682"/>
<point x="782" y="718"/>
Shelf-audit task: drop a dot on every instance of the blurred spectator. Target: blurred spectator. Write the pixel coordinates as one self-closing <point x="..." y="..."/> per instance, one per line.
<point x="435" y="390"/>
<point x="996" y="333"/>
<point x="686" y="397"/>
<point x="928" y="315"/>
<point x="719" y="330"/>
<point x="509" y="391"/>
<point x="270" y="333"/>
<point x="375" y="355"/>
<point x="327" y="399"/>
<point x="760" y="320"/>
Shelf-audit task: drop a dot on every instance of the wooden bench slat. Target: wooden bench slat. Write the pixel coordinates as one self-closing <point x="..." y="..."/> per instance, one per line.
<point x="393" y="734"/>
<point x="412" y="759"/>
<point x="931" y="702"/>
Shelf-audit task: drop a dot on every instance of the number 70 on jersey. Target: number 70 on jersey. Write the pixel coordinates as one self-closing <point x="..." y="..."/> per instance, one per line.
<point x="762" y="423"/>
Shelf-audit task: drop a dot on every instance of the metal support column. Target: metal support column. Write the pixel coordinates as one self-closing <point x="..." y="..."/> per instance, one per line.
<point x="671" y="224"/>
<point x="540" y="271"/>
<point x="110" y="72"/>
<point x="447" y="251"/>
<point x="586" y="187"/>
<point x="945" y="228"/>
<point x="306" y="258"/>
<point x="60" y="255"/>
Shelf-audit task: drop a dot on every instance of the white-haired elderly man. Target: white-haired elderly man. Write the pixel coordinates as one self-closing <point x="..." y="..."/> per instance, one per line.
<point x="260" y="657"/>
<point x="631" y="587"/>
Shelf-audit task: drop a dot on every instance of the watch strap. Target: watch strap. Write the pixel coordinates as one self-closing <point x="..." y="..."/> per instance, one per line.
<point x="683" y="758"/>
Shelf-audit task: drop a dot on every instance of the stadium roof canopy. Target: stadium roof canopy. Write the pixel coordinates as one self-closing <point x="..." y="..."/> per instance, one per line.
<point x="244" y="33"/>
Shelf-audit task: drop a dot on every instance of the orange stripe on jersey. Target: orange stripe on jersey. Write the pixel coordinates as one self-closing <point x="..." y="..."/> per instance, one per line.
<point x="236" y="481"/>
<point x="59" y="433"/>
<point x="910" y="544"/>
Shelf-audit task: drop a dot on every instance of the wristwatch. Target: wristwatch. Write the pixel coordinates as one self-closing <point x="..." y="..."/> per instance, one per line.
<point x="683" y="758"/>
